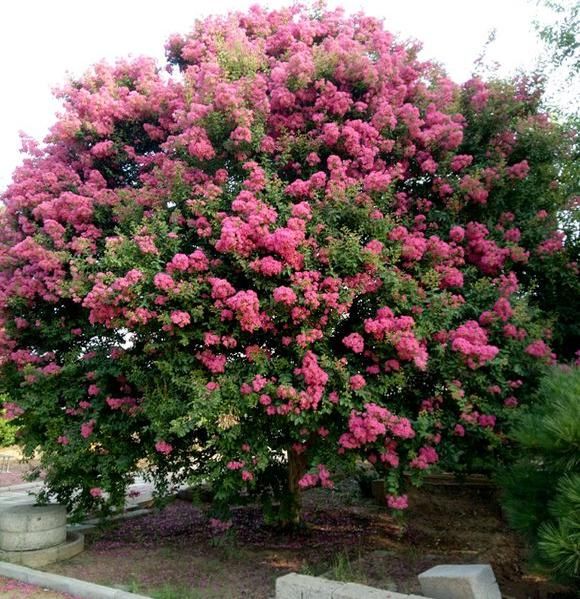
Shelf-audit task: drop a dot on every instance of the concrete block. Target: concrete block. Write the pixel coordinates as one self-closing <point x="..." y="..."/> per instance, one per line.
<point x="26" y="541"/>
<point x="38" y="558"/>
<point x="361" y="591"/>
<point x="30" y="527"/>
<point x="475" y="581"/>
<point x="298" y="586"/>
<point x="32" y="518"/>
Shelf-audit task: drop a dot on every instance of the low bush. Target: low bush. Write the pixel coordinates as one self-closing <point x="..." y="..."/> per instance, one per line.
<point x="541" y="491"/>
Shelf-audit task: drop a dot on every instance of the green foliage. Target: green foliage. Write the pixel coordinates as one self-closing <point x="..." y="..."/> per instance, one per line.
<point x="561" y="34"/>
<point x="541" y="491"/>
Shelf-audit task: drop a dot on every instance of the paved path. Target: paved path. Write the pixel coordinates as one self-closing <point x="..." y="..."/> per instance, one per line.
<point x="139" y="493"/>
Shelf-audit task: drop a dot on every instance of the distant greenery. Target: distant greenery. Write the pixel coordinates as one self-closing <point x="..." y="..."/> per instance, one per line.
<point x="561" y="35"/>
<point x="7" y="430"/>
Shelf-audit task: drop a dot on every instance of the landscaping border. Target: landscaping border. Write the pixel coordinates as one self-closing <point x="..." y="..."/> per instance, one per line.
<point x="64" y="584"/>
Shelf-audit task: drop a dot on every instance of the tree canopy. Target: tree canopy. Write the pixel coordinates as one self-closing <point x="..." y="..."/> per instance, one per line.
<point x="297" y="247"/>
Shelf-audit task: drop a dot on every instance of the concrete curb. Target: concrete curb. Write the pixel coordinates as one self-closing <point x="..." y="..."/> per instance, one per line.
<point x="20" y="487"/>
<point x="64" y="584"/>
<point x="93" y="523"/>
<point x="299" y="586"/>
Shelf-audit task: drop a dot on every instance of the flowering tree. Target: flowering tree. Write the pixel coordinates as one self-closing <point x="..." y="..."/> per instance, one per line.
<point x="299" y="247"/>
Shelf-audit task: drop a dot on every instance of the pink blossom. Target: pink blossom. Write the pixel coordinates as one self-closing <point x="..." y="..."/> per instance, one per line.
<point x="519" y="170"/>
<point x="93" y="390"/>
<point x="268" y="266"/>
<point x="486" y="420"/>
<point x="247" y="308"/>
<point x="308" y="480"/>
<point x="198" y="261"/>
<point x="163" y="447"/>
<point x="324" y="477"/>
<point x="214" y="363"/>
<point x="235" y="465"/>
<point x="220" y="288"/>
<point x="355" y="342"/>
<point x="451" y="277"/>
<point x="426" y="457"/>
<point x="392" y="365"/>
<point x="211" y="339"/>
<point x="374" y="246"/>
<point x="163" y="281"/>
<point x="146" y="244"/>
<point x="179" y="262"/>
<point x="241" y="134"/>
<point x="538" y="349"/>
<point x="398" y="502"/>
<point x="510" y="402"/>
<point x="357" y="381"/>
<point x="87" y="428"/>
<point x="503" y="309"/>
<point x="313" y="375"/>
<point x="461" y="161"/>
<point x="284" y="295"/>
<point x="180" y="318"/>
<point x="457" y="234"/>
<point x="471" y="340"/>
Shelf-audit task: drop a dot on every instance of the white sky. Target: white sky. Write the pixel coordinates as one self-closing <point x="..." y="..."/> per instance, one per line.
<point x="43" y="40"/>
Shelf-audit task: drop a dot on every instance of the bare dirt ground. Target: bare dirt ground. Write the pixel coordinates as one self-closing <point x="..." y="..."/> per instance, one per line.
<point x="174" y="554"/>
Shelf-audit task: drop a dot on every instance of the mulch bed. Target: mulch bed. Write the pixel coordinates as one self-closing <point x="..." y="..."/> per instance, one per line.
<point x="176" y="554"/>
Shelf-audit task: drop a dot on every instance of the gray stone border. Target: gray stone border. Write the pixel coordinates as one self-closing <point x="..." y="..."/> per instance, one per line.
<point x="64" y="584"/>
<point x="38" y="558"/>
<point x="300" y="586"/>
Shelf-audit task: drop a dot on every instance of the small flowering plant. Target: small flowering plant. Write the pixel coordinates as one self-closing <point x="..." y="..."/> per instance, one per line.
<point x="299" y="247"/>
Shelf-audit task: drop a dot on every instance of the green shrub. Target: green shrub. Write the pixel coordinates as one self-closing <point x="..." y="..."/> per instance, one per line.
<point x="541" y="491"/>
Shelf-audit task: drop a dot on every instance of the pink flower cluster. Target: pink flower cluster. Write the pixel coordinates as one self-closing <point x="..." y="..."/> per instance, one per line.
<point x="426" y="457"/>
<point x="540" y="349"/>
<point x="398" y="502"/>
<point x="322" y="477"/>
<point x="163" y="447"/>
<point x="471" y="341"/>
<point x="315" y="379"/>
<point x="398" y="332"/>
<point x="373" y="423"/>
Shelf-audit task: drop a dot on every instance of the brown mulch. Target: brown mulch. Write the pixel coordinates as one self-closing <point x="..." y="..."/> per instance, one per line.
<point x="176" y="554"/>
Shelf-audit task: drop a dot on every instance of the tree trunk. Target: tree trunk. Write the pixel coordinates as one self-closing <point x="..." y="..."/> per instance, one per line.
<point x="296" y="470"/>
